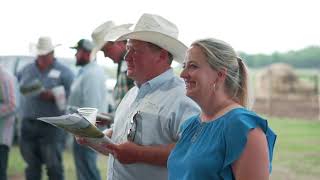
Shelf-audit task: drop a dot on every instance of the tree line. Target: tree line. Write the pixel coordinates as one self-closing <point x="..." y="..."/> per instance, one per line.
<point x="308" y="57"/>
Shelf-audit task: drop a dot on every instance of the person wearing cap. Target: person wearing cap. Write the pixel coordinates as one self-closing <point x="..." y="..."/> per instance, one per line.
<point x="42" y="143"/>
<point x="104" y="37"/>
<point x="147" y="120"/>
<point x="87" y="90"/>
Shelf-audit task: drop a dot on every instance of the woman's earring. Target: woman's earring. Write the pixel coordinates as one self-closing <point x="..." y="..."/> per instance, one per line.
<point x="214" y="86"/>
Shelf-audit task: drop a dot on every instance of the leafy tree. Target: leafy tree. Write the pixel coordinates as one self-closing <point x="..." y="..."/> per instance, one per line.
<point x="308" y="57"/>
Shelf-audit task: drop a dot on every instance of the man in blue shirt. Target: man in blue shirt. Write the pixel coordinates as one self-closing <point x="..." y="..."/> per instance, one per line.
<point x="42" y="143"/>
<point x="87" y="90"/>
<point x="147" y="120"/>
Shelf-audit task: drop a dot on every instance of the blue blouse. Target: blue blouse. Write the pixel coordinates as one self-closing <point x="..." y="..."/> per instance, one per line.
<point x="206" y="150"/>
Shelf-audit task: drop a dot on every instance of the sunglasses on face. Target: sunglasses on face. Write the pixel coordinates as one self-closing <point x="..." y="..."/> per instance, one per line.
<point x="133" y="127"/>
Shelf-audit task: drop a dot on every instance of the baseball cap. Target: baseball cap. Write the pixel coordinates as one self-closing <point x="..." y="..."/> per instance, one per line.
<point x="84" y="44"/>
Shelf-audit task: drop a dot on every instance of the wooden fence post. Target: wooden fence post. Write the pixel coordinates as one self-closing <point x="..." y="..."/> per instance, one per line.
<point x="269" y="98"/>
<point x="318" y="93"/>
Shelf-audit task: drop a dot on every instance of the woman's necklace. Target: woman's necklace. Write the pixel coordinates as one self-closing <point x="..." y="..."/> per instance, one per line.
<point x="202" y="124"/>
<point x="198" y="131"/>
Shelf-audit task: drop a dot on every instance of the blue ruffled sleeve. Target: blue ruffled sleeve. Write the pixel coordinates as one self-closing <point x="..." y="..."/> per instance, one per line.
<point x="186" y="124"/>
<point x="237" y="128"/>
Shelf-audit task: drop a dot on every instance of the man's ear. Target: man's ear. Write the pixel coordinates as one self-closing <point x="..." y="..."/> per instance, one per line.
<point x="164" y="55"/>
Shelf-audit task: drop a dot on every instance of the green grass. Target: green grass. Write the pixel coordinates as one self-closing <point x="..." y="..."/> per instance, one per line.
<point x="17" y="165"/>
<point x="297" y="151"/>
<point x="296" y="154"/>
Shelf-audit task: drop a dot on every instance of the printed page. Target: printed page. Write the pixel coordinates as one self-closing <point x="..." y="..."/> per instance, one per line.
<point x="79" y="126"/>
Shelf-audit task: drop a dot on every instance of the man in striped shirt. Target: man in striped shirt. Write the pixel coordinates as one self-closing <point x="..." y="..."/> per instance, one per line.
<point x="8" y="106"/>
<point x="104" y="37"/>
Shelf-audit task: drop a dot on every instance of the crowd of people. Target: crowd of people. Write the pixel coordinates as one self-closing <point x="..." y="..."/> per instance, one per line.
<point x="196" y="126"/>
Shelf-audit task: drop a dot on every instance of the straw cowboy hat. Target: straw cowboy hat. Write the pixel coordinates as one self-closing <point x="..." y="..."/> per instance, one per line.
<point x="44" y="46"/>
<point x="107" y="31"/>
<point x="159" y="31"/>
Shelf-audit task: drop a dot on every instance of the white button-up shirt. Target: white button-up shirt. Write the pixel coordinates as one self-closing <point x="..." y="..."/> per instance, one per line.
<point x="162" y="105"/>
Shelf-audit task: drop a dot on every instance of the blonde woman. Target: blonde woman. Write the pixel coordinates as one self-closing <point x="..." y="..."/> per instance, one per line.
<point x="226" y="140"/>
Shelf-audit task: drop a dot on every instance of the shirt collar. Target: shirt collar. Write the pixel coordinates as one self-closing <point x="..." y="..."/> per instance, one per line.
<point x="53" y="65"/>
<point x="162" y="78"/>
<point x="154" y="83"/>
<point x="86" y="67"/>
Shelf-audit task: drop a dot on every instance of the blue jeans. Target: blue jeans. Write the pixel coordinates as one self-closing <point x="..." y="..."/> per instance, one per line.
<point x="40" y="144"/>
<point x="4" y="152"/>
<point x="86" y="162"/>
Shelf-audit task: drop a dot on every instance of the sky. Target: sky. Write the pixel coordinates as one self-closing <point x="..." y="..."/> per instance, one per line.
<point x="251" y="26"/>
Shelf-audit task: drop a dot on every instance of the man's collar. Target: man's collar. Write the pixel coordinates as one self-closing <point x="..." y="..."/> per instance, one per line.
<point x="160" y="79"/>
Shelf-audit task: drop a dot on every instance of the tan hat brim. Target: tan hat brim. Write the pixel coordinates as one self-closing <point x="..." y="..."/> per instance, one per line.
<point x="96" y="49"/>
<point x="174" y="46"/>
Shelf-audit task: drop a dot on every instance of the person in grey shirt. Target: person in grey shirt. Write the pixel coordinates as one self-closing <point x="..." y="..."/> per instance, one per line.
<point x="87" y="90"/>
<point x="148" y="118"/>
<point x="42" y="143"/>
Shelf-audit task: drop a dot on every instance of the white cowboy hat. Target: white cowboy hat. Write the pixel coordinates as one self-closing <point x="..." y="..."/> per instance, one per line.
<point x="44" y="46"/>
<point x="107" y="31"/>
<point x="159" y="31"/>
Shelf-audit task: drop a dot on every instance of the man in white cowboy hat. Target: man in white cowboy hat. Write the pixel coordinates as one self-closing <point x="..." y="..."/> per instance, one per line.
<point x="42" y="143"/>
<point x="147" y="120"/>
<point x="87" y="90"/>
<point x="104" y="37"/>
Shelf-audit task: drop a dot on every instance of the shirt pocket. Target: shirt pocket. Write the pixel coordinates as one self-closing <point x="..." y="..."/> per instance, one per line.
<point x="151" y="124"/>
<point x="52" y="82"/>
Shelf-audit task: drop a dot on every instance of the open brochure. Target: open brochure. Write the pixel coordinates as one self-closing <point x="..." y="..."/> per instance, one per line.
<point x="79" y="126"/>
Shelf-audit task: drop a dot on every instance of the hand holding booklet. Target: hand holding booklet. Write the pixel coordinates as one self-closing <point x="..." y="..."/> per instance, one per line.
<point x="32" y="88"/>
<point x="78" y="125"/>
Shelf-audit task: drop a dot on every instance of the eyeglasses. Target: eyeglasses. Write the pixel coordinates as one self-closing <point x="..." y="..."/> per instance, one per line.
<point x="133" y="127"/>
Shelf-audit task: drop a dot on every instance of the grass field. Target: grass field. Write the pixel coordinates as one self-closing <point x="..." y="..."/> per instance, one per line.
<point x="17" y="165"/>
<point x="296" y="155"/>
<point x="297" y="151"/>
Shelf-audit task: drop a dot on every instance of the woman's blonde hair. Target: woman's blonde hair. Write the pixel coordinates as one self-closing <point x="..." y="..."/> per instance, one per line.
<point x="221" y="55"/>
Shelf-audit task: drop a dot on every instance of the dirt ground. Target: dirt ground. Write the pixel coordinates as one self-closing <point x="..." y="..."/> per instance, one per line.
<point x="303" y="108"/>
